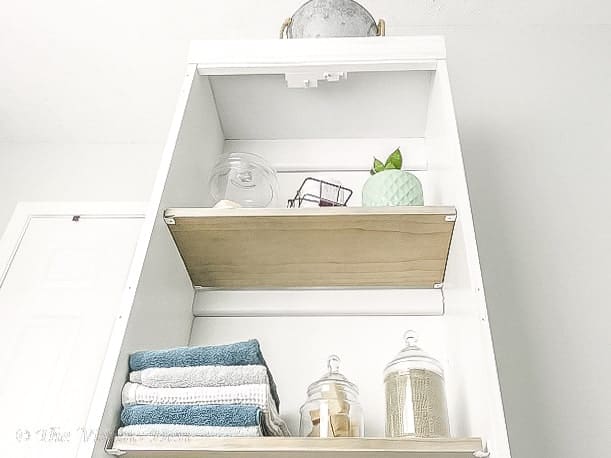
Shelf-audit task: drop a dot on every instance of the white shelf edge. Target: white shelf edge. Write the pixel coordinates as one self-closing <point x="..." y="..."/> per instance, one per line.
<point x="292" y="69"/>
<point x="265" y="445"/>
<point x="212" y="302"/>
<point x="223" y="57"/>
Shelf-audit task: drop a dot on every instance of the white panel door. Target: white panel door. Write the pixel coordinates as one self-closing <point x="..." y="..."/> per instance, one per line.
<point x="58" y="302"/>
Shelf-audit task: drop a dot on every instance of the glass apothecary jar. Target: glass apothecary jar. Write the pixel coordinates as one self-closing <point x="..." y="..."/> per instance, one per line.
<point x="416" y="403"/>
<point x="332" y="408"/>
<point x="246" y="179"/>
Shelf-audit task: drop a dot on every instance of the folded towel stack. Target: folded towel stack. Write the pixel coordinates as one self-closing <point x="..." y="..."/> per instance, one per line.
<point x="221" y="391"/>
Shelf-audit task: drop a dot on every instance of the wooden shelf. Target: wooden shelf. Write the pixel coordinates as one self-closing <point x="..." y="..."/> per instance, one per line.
<point x="263" y="447"/>
<point x="314" y="247"/>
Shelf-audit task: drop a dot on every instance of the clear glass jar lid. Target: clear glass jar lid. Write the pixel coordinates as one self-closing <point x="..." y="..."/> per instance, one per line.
<point x="244" y="178"/>
<point x="333" y="380"/>
<point x="413" y="357"/>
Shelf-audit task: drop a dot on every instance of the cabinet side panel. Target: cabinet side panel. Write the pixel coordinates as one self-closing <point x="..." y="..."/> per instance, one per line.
<point x="160" y="314"/>
<point x="477" y="407"/>
<point x="200" y="142"/>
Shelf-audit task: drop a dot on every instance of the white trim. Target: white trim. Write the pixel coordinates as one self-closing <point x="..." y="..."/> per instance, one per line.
<point x="210" y="302"/>
<point x="226" y="57"/>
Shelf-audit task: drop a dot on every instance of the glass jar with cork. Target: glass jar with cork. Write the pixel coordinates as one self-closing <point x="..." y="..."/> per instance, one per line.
<point x="332" y="408"/>
<point x="416" y="403"/>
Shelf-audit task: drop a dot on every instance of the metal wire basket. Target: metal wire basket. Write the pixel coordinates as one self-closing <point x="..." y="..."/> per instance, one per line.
<point x="319" y="193"/>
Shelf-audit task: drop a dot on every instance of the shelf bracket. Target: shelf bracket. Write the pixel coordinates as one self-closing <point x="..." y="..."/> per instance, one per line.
<point x="113" y="451"/>
<point x="438" y="285"/>
<point x="484" y="453"/>
<point x="170" y="221"/>
<point x="451" y="218"/>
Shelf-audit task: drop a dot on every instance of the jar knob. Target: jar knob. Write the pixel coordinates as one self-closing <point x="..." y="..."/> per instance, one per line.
<point x="333" y="364"/>
<point x="411" y="338"/>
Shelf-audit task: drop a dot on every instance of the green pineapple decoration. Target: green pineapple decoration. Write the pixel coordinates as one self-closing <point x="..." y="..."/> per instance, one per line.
<point x="388" y="185"/>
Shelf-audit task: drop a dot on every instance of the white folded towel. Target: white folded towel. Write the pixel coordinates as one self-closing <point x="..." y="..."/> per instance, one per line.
<point x="185" y="377"/>
<point x="190" y="431"/>
<point x="256" y="395"/>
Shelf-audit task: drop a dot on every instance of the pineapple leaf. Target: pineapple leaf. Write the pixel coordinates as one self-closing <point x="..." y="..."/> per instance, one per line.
<point x="378" y="166"/>
<point x="394" y="161"/>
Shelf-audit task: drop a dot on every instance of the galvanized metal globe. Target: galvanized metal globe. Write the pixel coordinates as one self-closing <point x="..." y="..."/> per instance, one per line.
<point x="332" y="18"/>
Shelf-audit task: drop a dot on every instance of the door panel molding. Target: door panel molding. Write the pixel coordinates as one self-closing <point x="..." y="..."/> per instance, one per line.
<point x="25" y="211"/>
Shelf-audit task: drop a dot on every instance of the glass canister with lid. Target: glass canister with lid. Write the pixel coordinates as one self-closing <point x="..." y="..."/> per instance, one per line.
<point x="416" y="403"/>
<point x="245" y="179"/>
<point x="332" y="408"/>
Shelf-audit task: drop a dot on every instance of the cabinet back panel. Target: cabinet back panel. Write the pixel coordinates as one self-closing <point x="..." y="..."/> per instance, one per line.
<point x="366" y="105"/>
<point x="296" y="350"/>
<point x="332" y="154"/>
<point x="289" y="183"/>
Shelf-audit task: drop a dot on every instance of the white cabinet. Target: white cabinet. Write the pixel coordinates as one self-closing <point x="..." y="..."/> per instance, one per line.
<point x="281" y="99"/>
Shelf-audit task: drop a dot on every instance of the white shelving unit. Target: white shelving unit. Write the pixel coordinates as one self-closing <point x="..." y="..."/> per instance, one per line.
<point x="191" y="286"/>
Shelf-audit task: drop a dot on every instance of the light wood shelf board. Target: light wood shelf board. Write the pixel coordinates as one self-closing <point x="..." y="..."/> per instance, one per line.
<point x="191" y="447"/>
<point x="314" y="247"/>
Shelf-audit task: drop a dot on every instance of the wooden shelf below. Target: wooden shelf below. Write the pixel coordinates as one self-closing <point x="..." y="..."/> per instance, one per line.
<point x="314" y="247"/>
<point x="287" y="447"/>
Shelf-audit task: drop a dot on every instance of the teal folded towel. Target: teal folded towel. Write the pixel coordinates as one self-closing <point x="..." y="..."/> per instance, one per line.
<point x="236" y="354"/>
<point x="204" y="415"/>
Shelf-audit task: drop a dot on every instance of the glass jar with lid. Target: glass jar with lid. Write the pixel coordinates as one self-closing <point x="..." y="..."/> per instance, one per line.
<point x="245" y="179"/>
<point x="416" y="403"/>
<point x="332" y="408"/>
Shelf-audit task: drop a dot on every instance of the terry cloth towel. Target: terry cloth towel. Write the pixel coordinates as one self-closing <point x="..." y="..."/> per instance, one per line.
<point x="205" y="415"/>
<point x="187" y="377"/>
<point x="257" y="395"/>
<point x="208" y="415"/>
<point x="190" y="431"/>
<point x="238" y="354"/>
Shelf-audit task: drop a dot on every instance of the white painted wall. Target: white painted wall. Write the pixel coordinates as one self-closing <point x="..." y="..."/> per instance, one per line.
<point x="533" y="98"/>
<point x="74" y="172"/>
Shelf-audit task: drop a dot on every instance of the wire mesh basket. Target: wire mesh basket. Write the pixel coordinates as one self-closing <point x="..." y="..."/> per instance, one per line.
<point x="319" y="193"/>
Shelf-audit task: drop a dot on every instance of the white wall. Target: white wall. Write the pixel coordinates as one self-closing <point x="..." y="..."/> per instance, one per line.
<point x="533" y="97"/>
<point x="74" y="172"/>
